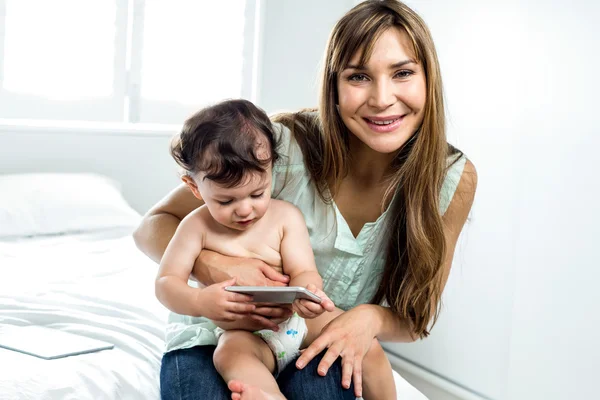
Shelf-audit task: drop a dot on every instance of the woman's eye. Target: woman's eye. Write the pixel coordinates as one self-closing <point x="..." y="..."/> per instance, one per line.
<point x="224" y="203"/>
<point x="257" y="196"/>
<point x="404" y="73"/>
<point x="357" y="78"/>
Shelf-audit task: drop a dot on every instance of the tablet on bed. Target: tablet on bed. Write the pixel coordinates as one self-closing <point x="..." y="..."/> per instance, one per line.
<point x="48" y="343"/>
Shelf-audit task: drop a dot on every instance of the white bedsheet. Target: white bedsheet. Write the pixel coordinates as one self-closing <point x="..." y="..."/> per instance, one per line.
<point x="96" y="285"/>
<point x="100" y="286"/>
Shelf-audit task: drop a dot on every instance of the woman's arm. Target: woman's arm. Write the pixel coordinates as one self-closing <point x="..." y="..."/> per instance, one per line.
<point x="351" y="334"/>
<point x="158" y="226"/>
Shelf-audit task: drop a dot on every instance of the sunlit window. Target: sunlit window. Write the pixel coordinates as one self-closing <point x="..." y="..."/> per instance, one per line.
<point x="59" y="49"/>
<point x="192" y="50"/>
<point x="152" y="61"/>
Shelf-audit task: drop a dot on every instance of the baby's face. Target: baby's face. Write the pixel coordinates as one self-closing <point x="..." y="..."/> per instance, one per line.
<point x="241" y="206"/>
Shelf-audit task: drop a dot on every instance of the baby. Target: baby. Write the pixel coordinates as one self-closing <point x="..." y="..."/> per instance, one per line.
<point x="228" y="151"/>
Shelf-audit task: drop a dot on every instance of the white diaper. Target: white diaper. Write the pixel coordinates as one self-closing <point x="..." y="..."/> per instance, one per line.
<point x="285" y="344"/>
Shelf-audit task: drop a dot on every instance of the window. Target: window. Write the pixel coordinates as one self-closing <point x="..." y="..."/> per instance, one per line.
<point x="152" y="61"/>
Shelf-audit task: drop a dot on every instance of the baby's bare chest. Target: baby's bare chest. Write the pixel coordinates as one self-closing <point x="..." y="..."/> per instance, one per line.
<point x="263" y="243"/>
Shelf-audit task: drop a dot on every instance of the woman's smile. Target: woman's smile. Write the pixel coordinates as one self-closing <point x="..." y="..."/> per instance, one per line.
<point x="384" y="124"/>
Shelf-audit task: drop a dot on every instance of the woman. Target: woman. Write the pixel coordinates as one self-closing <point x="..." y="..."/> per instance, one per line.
<point x="383" y="194"/>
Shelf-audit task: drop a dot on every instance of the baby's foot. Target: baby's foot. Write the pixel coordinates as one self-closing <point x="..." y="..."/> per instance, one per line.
<point x="242" y="391"/>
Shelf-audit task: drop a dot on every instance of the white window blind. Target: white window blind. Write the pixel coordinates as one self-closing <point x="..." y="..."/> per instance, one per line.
<point x="154" y="61"/>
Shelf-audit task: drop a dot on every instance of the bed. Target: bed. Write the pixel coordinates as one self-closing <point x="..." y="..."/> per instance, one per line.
<point x="68" y="261"/>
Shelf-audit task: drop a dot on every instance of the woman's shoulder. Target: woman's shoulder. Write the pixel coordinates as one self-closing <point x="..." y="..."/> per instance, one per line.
<point x="287" y="147"/>
<point x="459" y="167"/>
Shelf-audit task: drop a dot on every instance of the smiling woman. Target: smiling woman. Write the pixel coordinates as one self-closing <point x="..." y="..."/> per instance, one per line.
<point x="375" y="179"/>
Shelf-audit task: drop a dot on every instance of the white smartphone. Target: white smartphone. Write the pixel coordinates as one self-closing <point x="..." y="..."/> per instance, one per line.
<point x="275" y="294"/>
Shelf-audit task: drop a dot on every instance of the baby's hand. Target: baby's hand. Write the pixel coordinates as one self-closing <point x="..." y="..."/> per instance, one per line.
<point x="309" y="309"/>
<point x="220" y="305"/>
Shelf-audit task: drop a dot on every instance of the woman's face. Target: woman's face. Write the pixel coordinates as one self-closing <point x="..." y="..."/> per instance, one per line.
<point x="382" y="103"/>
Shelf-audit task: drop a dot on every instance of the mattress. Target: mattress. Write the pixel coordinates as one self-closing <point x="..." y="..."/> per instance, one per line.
<point x="98" y="285"/>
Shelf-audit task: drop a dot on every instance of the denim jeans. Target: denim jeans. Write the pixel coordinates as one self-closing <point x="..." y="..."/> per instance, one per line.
<point x="190" y="374"/>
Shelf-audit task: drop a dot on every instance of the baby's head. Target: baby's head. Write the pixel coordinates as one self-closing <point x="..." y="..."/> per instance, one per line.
<point x="227" y="152"/>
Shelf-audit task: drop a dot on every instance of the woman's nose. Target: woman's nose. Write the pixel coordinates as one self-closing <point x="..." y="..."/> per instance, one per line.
<point x="382" y="95"/>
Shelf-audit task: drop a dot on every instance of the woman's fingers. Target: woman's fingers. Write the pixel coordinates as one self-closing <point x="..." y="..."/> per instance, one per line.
<point x="347" y="368"/>
<point x="273" y="312"/>
<point x="329" y="358"/>
<point x="277" y="278"/>
<point x="239" y="297"/>
<point x="266" y="323"/>
<point x="316" y="347"/>
<point x="230" y="317"/>
<point x="242" y="308"/>
<point x="357" y="376"/>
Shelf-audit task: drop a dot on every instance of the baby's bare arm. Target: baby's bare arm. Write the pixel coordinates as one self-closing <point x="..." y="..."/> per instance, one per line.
<point x="176" y="265"/>
<point x="296" y="252"/>
<point x="299" y="262"/>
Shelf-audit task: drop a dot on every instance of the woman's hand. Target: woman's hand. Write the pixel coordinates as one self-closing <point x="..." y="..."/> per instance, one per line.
<point x="309" y="309"/>
<point x="350" y="336"/>
<point x="212" y="267"/>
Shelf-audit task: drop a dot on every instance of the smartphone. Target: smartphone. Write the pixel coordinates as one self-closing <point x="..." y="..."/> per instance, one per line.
<point x="275" y="294"/>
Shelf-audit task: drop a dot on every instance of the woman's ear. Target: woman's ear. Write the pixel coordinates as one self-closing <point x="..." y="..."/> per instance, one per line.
<point x="189" y="181"/>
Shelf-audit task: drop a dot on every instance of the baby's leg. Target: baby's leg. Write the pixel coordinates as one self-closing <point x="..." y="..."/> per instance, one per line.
<point x="245" y="358"/>
<point x="315" y="325"/>
<point x="377" y="377"/>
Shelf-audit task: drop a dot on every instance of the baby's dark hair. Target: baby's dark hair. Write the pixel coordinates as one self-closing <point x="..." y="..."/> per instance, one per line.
<point x="222" y="142"/>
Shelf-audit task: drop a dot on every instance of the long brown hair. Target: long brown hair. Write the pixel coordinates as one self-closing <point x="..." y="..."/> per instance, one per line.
<point x="412" y="278"/>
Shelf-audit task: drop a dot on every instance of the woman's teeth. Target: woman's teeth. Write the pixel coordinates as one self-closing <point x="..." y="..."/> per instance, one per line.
<point x="383" y="122"/>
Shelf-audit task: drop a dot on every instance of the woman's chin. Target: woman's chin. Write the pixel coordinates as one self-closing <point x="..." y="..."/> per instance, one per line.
<point x="386" y="146"/>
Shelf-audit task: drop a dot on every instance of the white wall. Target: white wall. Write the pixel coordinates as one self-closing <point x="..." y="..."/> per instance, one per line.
<point x="294" y="37"/>
<point x="520" y="319"/>
<point x="554" y="349"/>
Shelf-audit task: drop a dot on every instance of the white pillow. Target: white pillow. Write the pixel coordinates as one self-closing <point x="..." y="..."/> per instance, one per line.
<point x="55" y="203"/>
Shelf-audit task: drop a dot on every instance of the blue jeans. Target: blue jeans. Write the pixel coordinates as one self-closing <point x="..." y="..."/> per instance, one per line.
<point x="190" y="374"/>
